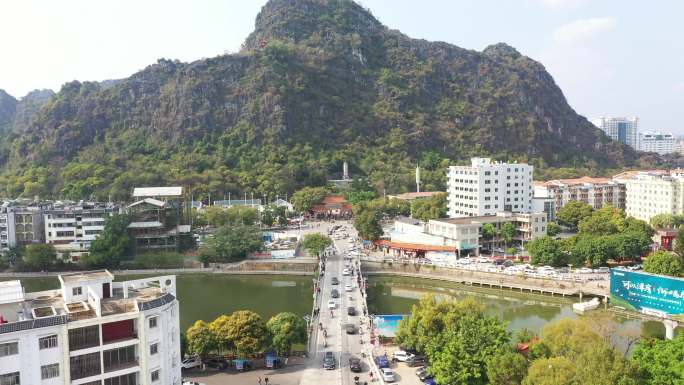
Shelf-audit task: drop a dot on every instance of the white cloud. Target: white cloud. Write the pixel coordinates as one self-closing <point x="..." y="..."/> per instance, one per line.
<point x="558" y="4"/>
<point x="679" y="87"/>
<point x="583" y="29"/>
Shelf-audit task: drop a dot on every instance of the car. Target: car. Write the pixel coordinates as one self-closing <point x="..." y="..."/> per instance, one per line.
<point x="348" y="287"/>
<point x="604" y="270"/>
<point x="350" y="329"/>
<point x="335" y="281"/>
<point x="345" y="272"/>
<point x="351" y="311"/>
<point x="401" y="356"/>
<point x="216" y="363"/>
<point x="355" y="365"/>
<point x="329" y="361"/>
<point x="416" y="361"/>
<point x="387" y="374"/>
<point x="423" y="373"/>
<point x="382" y="362"/>
<point x="191" y="362"/>
<point x="430" y="381"/>
<point x="334" y="293"/>
<point x="332" y="304"/>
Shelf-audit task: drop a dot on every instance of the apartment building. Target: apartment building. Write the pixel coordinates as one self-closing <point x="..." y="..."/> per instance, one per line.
<point x="72" y="228"/>
<point x="652" y="193"/>
<point x="596" y="192"/>
<point x="658" y="142"/>
<point x="91" y="331"/>
<point x="486" y="187"/>
<point x="623" y="130"/>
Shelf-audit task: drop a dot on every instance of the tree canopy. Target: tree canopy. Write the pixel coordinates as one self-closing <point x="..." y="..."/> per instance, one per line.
<point x="430" y="208"/>
<point x="231" y="243"/>
<point x="286" y="329"/>
<point x="367" y="224"/>
<point x="40" y="256"/>
<point x="573" y="212"/>
<point x="316" y="243"/>
<point x="547" y="251"/>
<point x="665" y="263"/>
<point x="662" y="360"/>
<point x="112" y="245"/>
<point x="306" y="198"/>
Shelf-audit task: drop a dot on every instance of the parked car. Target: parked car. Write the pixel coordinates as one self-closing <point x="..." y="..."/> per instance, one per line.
<point x="332" y="304"/>
<point x="329" y="361"/>
<point x="401" y="356"/>
<point x="334" y="293"/>
<point x="604" y="270"/>
<point x="430" y="381"/>
<point x="351" y="311"/>
<point x="345" y="272"/>
<point x="387" y="374"/>
<point x="350" y="329"/>
<point x="355" y="364"/>
<point x="423" y="374"/>
<point x="335" y="281"/>
<point x="382" y="362"/>
<point x="191" y="362"/>
<point x="416" y="361"/>
<point x="348" y="287"/>
<point x="216" y="363"/>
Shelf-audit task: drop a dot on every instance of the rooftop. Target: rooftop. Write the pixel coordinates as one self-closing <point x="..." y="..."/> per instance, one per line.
<point x="86" y="276"/>
<point x="151" y="192"/>
<point x="585" y="180"/>
<point x="409" y="196"/>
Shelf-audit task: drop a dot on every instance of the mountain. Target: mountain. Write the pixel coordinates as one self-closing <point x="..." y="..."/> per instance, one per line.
<point x="8" y="107"/>
<point x="316" y="83"/>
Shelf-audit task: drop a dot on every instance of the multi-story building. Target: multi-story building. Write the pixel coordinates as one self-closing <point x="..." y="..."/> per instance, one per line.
<point x="658" y="142"/>
<point x="486" y="187"/>
<point x="623" y="130"/>
<point x="71" y="229"/>
<point x="595" y="192"/>
<point x="649" y="194"/>
<point x="157" y="219"/>
<point x="91" y="331"/>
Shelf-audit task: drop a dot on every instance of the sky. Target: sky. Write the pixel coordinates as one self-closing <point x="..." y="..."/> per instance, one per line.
<point x="610" y="57"/>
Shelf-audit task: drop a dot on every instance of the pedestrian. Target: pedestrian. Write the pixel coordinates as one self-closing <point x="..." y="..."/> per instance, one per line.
<point x="266" y="380"/>
<point x="259" y="377"/>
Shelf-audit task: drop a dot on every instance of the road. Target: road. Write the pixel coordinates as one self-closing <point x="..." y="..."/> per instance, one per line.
<point x="343" y="345"/>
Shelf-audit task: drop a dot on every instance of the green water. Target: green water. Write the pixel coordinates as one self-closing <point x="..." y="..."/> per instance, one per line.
<point x="206" y="296"/>
<point x="397" y="295"/>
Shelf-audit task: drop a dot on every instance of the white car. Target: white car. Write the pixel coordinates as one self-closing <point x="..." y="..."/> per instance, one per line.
<point x="387" y="374"/>
<point x="193" y="383"/>
<point x="191" y="362"/>
<point x="348" y="287"/>
<point x="401" y="355"/>
<point x="332" y="304"/>
<point x="345" y="272"/>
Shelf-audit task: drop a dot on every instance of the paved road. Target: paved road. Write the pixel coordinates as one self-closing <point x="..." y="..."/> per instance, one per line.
<point x="343" y="345"/>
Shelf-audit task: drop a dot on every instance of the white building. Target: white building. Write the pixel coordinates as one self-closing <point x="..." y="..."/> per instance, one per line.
<point x="91" y="331"/>
<point x="658" y="142"/>
<point x="596" y="192"/>
<point x="486" y="187"/>
<point x="71" y="229"/>
<point x="623" y="130"/>
<point x="652" y="193"/>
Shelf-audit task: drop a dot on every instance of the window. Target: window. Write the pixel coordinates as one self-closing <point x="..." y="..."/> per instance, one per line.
<point x="118" y="358"/>
<point x="86" y="337"/>
<point x="85" y="365"/>
<point x="9" y="379"/>
<point x="154" y="349"/>
<point x="153" y="322"/>
<point x="48" y="342"/>
<point x="155" y="375"/>
<point x="49" y="371"/>
<point x="77" y="291"/>
<point x="9" y="349"/>
<point x="126" y="379"/>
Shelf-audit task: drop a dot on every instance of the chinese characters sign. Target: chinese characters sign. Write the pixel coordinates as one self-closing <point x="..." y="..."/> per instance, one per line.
<point x="647" y="292"/>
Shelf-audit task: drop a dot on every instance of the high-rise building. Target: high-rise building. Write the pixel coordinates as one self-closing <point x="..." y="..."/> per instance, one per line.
<point x="623" y="130"/>
<point x="91" y="331"/>
<point x="486" y="187"/>
<point x="595" y="192"/>
<point x="653" y="193"/>
<point x="658" y="142"/>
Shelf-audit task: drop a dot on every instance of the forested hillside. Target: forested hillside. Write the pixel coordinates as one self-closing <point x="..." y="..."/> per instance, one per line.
<point x="316" y="83"/>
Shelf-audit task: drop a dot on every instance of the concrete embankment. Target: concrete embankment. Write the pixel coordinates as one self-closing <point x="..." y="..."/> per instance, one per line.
<point x="485" y="279"/>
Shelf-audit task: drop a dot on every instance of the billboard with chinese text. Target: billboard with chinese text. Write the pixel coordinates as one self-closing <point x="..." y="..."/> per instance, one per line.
<point x="647" y="293"/>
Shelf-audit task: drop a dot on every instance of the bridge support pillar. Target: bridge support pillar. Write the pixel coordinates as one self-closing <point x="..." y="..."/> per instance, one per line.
<point x="670" y="326"/>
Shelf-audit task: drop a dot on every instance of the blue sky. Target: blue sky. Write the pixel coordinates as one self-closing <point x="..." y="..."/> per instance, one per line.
<point x="610" y="57"/>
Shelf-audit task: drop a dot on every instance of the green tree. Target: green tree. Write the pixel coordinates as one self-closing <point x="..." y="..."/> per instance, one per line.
<point x="506" y="368"/>
<point x="40" y="256"/>
<point x="430" y="208"/>
<point x="367" y="225"/>
<point x="304" y="199"/>
<point x="662" y="360"/>
<point x="201" y="341"/>
<point x="667" y="221"/>
<point x="488" y="231"/>
<point x="550" y="371"/>
<point x="593" y="251"/>
<point x="356" y="197"/>
<point x="112" y="245"/>
<point x="268" y="216"/>
<point x="605" y="221"/>
<point x="663" y="262"/>
<point x="553" y="229"/>
<point x="247" y="332"/>
<point x="316" y="243"/>
<point x="573" y="212"/>
<point x="679" y="243"/>
<point x="221" y="329"/>
<point x="547" y="251"/>
<point x="508" y="231"/>
<point x="286" y="329"/>
<point x="231" y="243"/>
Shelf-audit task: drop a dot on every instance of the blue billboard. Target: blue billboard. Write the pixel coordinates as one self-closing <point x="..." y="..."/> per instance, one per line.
<point x="647" y="293"/>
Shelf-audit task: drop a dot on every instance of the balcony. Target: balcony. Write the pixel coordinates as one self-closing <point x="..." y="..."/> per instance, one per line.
<point x="118" y="331"/>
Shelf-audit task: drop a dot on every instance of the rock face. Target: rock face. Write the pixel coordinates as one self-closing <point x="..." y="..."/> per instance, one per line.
<point x="8" y="107"/>
<point x="317" y="81"/>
